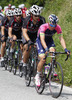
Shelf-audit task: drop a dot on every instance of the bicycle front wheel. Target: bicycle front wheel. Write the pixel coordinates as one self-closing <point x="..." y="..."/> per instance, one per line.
<point x="56" y="80"/>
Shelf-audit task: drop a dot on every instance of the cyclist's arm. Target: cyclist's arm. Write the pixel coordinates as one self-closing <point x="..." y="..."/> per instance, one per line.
<point x="62" y="41"/>
<point x="10" y="32"/>
<point x="2" y="30"/>
<point x="42" y="38"/>
<point x="24" y="30"/>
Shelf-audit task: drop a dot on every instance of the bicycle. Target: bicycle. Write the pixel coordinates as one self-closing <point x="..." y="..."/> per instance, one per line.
<point x="47" y="76"/>
<point x="30" y="70"/>
<point x="6" y="57"/>
<point x="7" y="52"/>
<point x="17" y="58"/>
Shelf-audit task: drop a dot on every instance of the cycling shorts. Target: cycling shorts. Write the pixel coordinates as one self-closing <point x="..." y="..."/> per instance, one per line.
<point x="40" y="48"/>
<point x="18" y="34"/>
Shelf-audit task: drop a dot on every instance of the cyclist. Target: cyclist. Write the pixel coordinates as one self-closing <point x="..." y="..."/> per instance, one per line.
<point x="30" y="29"/>
<point x="9" y="6"/>
<point x="5" y="9"/>
<point x="15" y="28"/>
<point x="4" y="32"/>
<point x="1" y="17"/>
<point x="45" y="42"/>
<point x="22" y="7"/>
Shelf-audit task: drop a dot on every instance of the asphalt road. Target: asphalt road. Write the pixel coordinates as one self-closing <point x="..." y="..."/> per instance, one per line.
<point x="12" y="87"/>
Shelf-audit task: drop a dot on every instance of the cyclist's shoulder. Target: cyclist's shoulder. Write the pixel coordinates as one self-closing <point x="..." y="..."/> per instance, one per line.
<point x="12" y="19"/>
<point x="58" y="26"/>
<point x="4" y="18"/>
<point x="27" y="19"/>
<point x="1" y="14"/>
<point x="44" y="25"/>
<point x="42" y="18"/>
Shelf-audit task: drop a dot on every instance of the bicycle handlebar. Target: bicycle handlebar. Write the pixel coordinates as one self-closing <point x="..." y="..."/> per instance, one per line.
<point x="33" y="44"/>
<point x="58" y="53"/>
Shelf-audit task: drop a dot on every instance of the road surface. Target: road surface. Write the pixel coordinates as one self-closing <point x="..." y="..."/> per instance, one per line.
<point x="12" y="87"/>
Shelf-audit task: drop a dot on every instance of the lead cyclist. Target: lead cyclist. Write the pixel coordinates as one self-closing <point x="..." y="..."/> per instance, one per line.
<point x="45" y="42"/>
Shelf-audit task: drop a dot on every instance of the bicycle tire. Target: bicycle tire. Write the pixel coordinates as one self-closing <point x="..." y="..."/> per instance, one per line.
<point x="56" y="82"/>
<point x="20" y="70"/>
<point x="35" y="67"/>
<point x="10" y="66"/>
<point x="15" y="66"/>
<point x="5" y="66"/>
<point x="41" y="88"/>
<point x="14" y="70"/>
<point x="28" y="75"/>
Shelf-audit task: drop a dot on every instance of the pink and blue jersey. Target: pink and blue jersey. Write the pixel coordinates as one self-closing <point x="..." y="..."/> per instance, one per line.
<point x="44" y="30"/>
<point x="48" y="33"/>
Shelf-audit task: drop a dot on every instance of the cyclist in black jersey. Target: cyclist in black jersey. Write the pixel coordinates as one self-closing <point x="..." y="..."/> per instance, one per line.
<point x="4" y="32"/>
<point x="15" y="28"/>
<point x="31" y="25"/>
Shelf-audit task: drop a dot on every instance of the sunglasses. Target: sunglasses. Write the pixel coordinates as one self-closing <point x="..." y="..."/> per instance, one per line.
<point x="52" y="25"/>
<point x="37" y="15"/>
<point x="18" y="15"/>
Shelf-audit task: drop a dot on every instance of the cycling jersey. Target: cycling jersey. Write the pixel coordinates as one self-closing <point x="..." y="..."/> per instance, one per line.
<point x="31" y="28"/>
<point x="44" y="30"/>
<point x="1" y="17"/>
<point x="16" y="27"/>
<point x="5" y="23"/>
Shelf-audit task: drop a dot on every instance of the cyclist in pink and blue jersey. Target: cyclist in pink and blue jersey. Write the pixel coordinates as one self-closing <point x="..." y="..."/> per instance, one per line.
<point x="45" y="42"/>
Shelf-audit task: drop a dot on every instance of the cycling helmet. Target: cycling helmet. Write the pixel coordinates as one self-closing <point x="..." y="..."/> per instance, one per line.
<point x="27" y="13"/>
<point x="0" y="8"/>
<point x="35" y="10"/>
<point x="13" y="7"/>
<point x="22" y="5"/>
<point x="6" y="7"/>
<point x="9" y="13"/>
<point x="17" y="11"/>
<point x="53" y="19"/>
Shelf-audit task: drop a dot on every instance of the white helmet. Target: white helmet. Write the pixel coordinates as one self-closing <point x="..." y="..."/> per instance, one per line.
<point x="13" y="7"/>
<point x="27" y="13"/>
<point x="22" y="5"/>
<point x="9" y="13"/>
<point x="19" y="6"/>
<point x="35" y="10"/>
<point x="0" y="8"/>
<point x="6" y="7"/>
<point x="17" y="11"/>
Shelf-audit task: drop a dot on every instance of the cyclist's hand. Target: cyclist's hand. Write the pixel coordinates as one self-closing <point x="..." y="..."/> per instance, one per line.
<point x="67" y="51"/>
<point x="30" y="42"/>
<point x="2" y="38"/>
<point x="46" y="51"/>
<point x="11" y="39"/>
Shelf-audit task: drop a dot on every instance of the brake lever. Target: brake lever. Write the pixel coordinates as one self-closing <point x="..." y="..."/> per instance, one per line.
<point x="68" y="56"/>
